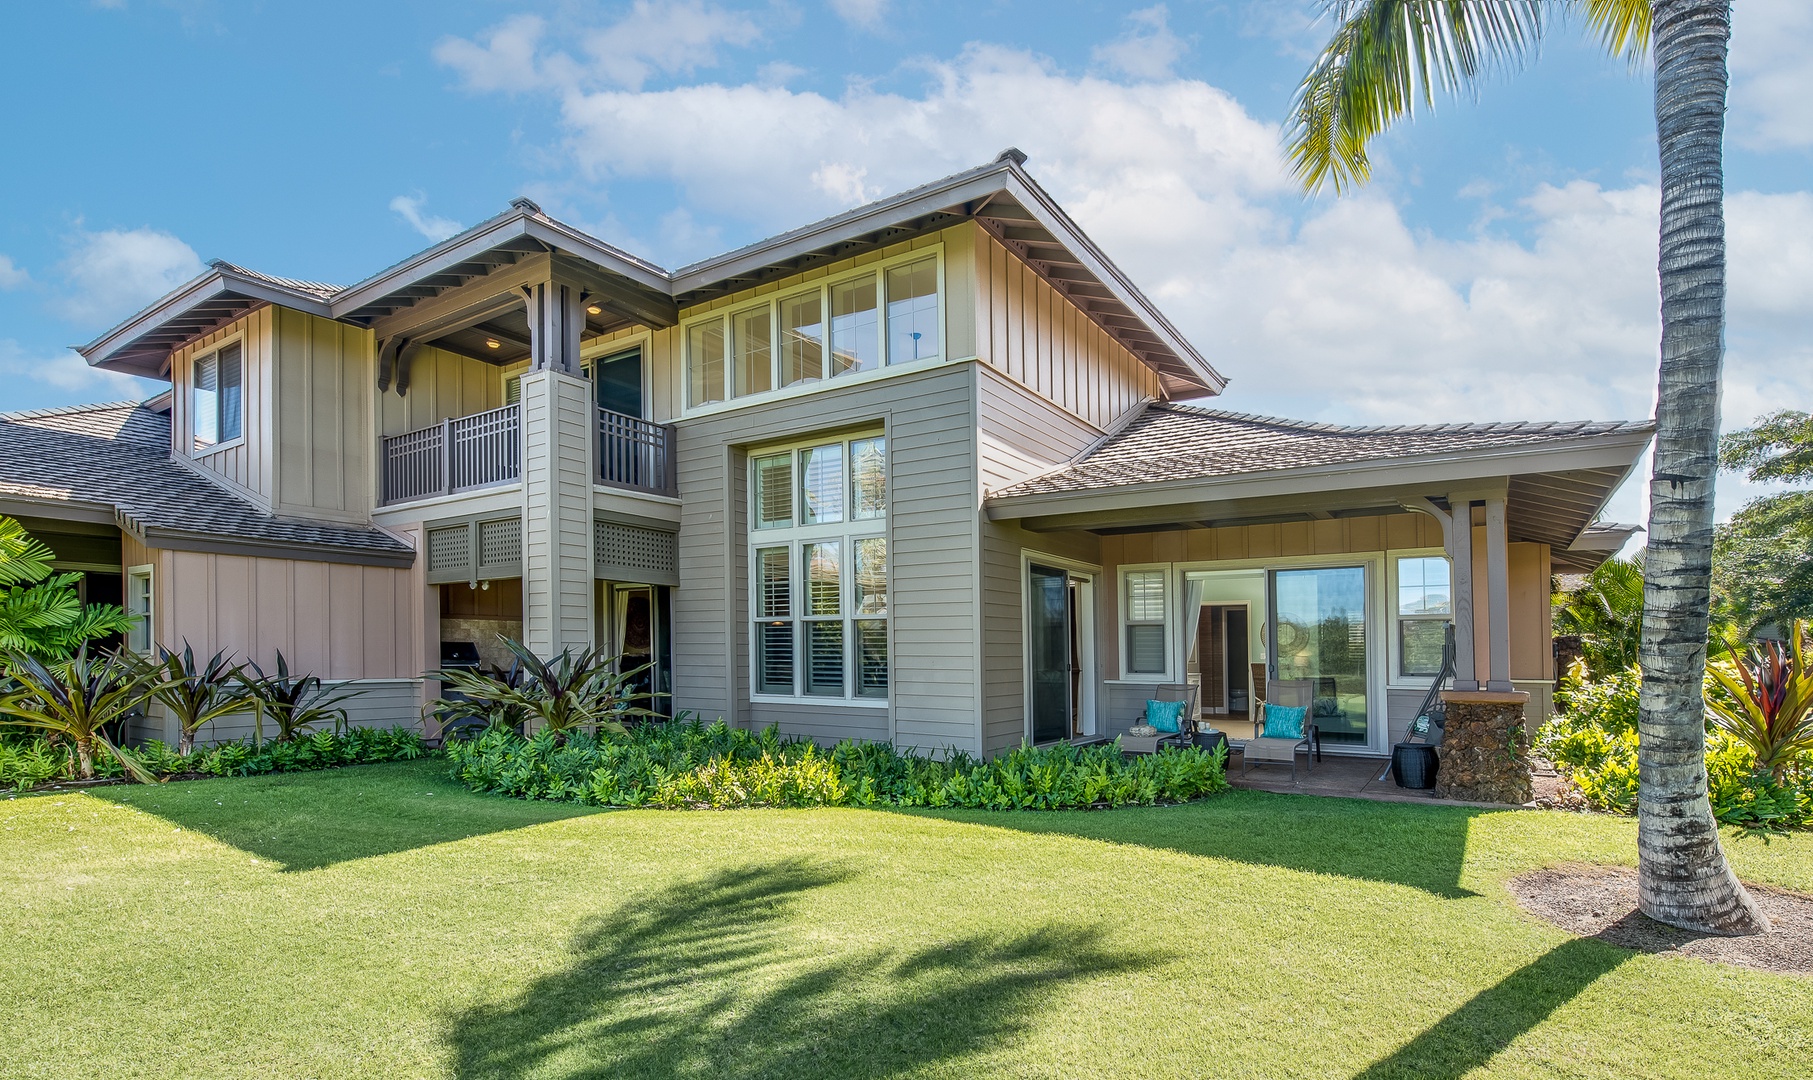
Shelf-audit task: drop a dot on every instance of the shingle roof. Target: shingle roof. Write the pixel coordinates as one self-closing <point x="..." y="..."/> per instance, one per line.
<point x="118" y="455"/>
<point x="1182" y="442"/>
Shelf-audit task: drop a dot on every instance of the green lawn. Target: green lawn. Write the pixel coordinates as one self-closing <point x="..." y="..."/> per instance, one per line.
<point x="381" y="921"/>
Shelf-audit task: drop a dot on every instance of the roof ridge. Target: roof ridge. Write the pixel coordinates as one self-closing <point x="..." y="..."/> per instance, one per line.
<point x="1322" y="426"/>
<point x="68" y="410"/>
<point x="295" y="283"/>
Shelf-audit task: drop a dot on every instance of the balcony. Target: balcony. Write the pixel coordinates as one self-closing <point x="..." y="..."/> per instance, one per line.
<point x="458" y="454"/>
<point x="636" y="455"/>
<point x="485" y="450"/>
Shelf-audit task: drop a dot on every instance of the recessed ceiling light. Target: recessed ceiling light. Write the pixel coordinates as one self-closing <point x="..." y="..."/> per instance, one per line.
<point x="493" y="343"/>
<point x="594" y="310"/>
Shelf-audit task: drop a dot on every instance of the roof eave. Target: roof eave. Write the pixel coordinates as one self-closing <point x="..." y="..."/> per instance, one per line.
<point x="215" y="283"/>
<point x="1620" y="448"/>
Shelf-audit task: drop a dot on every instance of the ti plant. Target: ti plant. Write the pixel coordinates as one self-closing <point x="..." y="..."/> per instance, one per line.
<point x="198" y="695"/>
<point x="78" y="699"/>
<point x="1767" y="700"/>
<point x="296" y="703"/>
<point x="568" y="693"/>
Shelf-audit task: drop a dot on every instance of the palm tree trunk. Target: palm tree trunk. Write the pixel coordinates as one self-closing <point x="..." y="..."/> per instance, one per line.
<point x="1684" y="878"/>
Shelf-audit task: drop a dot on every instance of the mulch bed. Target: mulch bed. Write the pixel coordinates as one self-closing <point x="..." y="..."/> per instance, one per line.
<point x="1601" y="902"/>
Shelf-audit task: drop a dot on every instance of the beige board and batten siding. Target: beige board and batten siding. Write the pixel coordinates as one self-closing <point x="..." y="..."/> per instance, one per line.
<point x="325" y="383"/>
<point x="928" y="416"/>
<point x="442" y="386"/>
<point x="1531" y="666"/>
<point x="246" y="465"/>
<point x="344" y="623"/>
<point x="1031" y="332"/>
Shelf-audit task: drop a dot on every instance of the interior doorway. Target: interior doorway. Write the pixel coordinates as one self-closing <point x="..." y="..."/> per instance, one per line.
<point x="639" y="637"/>
<point x="1224" y="639"/>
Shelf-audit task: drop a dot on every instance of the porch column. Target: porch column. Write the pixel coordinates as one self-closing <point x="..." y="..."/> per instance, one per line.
<point x="1498" y="597"/>
<point x="558" y="580"/>
<point x="1460" y="557"/>
<point x="556" y="311"/>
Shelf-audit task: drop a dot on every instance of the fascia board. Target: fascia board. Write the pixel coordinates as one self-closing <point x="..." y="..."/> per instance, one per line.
<point x="209" y="286"/>
<point x="83" y="510"/>
<point x="450" y="252"/>
<point x="1463" y="467"/>
<point x="965" y="187"/>
<point x="180" y="540"/>
<point x="1059" y="224"/>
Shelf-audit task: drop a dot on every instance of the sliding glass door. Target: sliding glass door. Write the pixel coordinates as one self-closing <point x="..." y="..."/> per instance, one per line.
<point x="1318" y="646"/>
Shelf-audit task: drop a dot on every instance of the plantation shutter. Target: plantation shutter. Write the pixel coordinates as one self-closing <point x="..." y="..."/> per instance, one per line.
<point x="1146" y="622"/>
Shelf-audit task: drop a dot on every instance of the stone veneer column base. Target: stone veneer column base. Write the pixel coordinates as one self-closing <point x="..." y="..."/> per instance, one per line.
<point x="1485" y="750"/>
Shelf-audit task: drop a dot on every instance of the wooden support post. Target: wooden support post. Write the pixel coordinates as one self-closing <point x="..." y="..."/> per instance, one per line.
<point x="447" y="456"/>
<point x="1498" y="597"/>
<point x="1460" y="556"/>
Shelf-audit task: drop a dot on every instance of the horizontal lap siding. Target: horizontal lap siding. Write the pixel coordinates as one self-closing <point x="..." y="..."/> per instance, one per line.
<point x="932" y="521"/>
<point x="824" y="724"/>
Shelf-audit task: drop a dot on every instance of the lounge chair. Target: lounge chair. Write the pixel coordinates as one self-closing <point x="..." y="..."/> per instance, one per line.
<point x="1146" y="744"/>
<point x="1290" y="693"/>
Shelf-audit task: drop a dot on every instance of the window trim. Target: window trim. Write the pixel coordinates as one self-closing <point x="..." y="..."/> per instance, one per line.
<point x="726" y="315"/>
<point x="196" y="453"/>
<point x="1124" y="620"/>
<point x="147" y="573"/>
<point x="1394" y="677"/>
<point x="795" y="538"/>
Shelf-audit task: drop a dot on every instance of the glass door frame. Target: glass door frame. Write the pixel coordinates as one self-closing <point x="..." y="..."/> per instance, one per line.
<point x="1084" y="581"/>
<point x="1378" y="734"/>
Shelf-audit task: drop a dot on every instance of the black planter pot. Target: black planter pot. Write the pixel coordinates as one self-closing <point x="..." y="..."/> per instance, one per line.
<point x="1415" y="765"/>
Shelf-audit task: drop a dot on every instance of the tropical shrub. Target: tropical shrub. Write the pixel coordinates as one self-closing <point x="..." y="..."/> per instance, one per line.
<point x="197" y="695"/>
<point x="1764" y="700"/>
<point x="1606" y="612"/>
<point x="685" y="764"/>
<point x="41" y="614"/>
<point x="295" y="703"/>
<point x="1593" y="743"/>
<point x="78" y="700"/>
<point x="571" y="692"/>
<point x="28" y="762"/>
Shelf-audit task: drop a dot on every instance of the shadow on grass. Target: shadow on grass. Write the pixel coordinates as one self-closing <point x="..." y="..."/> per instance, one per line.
<point x="722" y="976"/>
<point x="1424" y="847"/>
<point x="1473" y="1034"/>
<point x="310" y="820"/>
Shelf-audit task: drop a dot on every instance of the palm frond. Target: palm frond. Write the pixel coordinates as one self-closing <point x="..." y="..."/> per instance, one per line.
<point x="1383" y="57"/>
<point x="1623" y="26"/>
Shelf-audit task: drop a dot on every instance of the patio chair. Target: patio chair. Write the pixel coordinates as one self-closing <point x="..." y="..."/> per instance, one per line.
<point x="1186" y="727"/>
<point x="1290" y="693"/>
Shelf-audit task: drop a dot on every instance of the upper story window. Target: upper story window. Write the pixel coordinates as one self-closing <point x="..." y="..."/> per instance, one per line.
<point x="881" y="316"/>
<point x="216" y="398"/>
<point x="1424" y="605"/>
<point x="819" y="571"/>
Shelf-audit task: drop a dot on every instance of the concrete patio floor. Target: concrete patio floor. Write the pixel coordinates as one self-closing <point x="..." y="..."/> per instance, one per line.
<point x="1345" y="777"/>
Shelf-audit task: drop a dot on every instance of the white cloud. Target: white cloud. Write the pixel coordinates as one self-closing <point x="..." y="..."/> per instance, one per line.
<point x="1771" y="78"/>
<point x="409" y="208"/>
<point x="669" y="38"/>
<point x="863" y="14"/>
<point x="11" y="276"/>
<point x="63" y="379"/>
<point x="1336" y="311"/>
<point x="113" y="273"/>
<point x="1147" y="50"/>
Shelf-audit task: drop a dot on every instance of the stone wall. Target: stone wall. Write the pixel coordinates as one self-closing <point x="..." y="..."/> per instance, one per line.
<point x="1485" y="750"/>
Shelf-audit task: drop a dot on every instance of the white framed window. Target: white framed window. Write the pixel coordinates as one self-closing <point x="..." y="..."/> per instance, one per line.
<point x="141" y="638"/>
<point x="217" y="398"/>
<point x="1145" y="640"/>
<point x="1422" y="606"/>
<point x="818" y="571"/>
<point x="880" y="316"/>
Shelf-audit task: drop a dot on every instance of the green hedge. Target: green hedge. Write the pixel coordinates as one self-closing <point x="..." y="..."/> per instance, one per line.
<point x="29" y="761"/>
<point x="689" y="765"/>
<point x="1593" y="743"/>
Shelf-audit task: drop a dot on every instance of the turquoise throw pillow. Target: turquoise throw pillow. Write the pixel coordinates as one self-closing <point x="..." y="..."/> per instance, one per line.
<point x="1283" y="722"/>
<point x="1166" y="716"/>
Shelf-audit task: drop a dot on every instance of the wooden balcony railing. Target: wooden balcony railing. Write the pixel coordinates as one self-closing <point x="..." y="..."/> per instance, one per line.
<point x="482" y="450"/>
<point x="635" y="454"/>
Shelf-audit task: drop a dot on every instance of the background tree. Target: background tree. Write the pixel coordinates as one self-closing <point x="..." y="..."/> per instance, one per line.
<point x="1762" y="559"/>
<point x="1606" y="612"/>
<point x="41" y="614"/>
<point x="1386" y="54"/>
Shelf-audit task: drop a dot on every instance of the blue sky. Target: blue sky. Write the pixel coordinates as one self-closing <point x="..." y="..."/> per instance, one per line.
<point x="1501" y="265"/>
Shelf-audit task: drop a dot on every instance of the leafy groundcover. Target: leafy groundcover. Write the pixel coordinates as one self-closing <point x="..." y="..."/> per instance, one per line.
<point x="690" y="765"/>
<point x="28" y="761"/>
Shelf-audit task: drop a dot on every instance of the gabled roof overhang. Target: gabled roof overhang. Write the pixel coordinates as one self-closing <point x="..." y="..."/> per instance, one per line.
<point x="1013" y="208"/>
<point x="1554" y="491"/>
<point x="142" y="344"/>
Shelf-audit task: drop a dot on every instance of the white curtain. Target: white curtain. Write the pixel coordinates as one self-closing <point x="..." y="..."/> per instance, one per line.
<point x="1193" y="589"/>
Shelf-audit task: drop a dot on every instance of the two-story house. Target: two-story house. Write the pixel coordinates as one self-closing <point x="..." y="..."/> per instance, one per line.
<point x="917" y="472"/>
